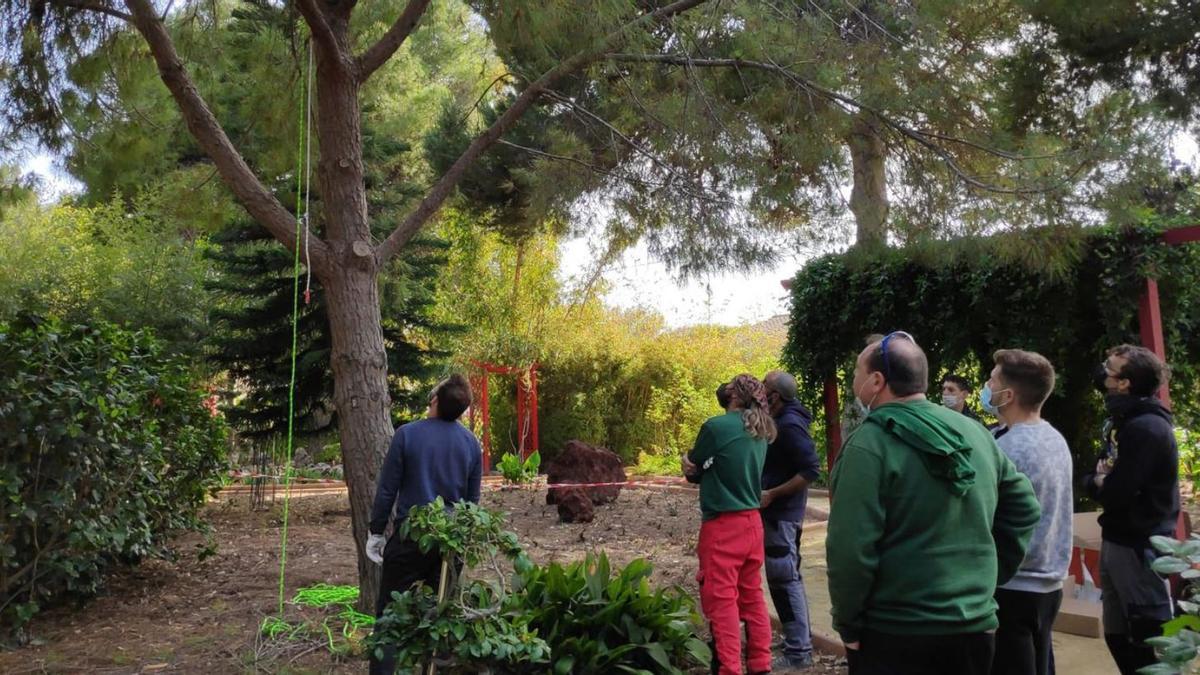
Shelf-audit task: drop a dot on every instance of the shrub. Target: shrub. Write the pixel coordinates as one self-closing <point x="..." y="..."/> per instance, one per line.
<point x="129" y="266"/>
<point x="470" y="626"/>
<point x="1178" y="646"/>
<point x="1070" y="307"/>
<point x="599" y="620"/>
<point x="107" y="447"/>
<point x="581" y="618"/>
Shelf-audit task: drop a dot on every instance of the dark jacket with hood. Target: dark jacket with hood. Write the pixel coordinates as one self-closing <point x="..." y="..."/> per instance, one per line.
<point x="1140" y="496"/>
<point x="928" y="516"/>
<point x="793" y="452"/>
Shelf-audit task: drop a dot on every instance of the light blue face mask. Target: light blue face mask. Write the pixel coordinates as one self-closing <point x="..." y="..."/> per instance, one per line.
<point x="985" y="399"/>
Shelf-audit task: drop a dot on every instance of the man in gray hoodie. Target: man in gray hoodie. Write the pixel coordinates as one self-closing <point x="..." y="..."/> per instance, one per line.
<point x="1028" y="603"/>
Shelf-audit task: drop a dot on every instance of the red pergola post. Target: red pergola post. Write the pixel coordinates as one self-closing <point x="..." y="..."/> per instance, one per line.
<point x="833" y="422"/>
<point x="527" y="418"/>
<point x="487" y="424"/>
<point x="533" y="409"/>
<point x="1150" y="325"/>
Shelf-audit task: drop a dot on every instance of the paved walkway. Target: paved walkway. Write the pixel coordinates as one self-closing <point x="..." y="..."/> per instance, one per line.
<point x="1073" y="655"/>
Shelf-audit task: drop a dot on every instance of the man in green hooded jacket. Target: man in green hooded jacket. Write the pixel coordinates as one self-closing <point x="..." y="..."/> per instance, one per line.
<point x="928" y="516"/>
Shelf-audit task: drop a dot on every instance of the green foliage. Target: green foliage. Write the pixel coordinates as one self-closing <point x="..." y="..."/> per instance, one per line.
<point x="1179" y="644"/>
<point x="655" y="465"/>
<point x="515" y="471"/>
<point x="599" y="620"/>
<point x="470" y="624"/>
<point x="964" y="299"/>
<point x="471" y="632"/>
<point x="620" y="379"/>
<point x="125" y="264"/>
<point x="1188" y="442"/>
<point x="580" y="618"/>
<point x="467" y="531"/>
<point x="1129" y="44"/>
<point x="712" y="186"/>
<point x="252" y="333"/>
<point x="107" y="448"/>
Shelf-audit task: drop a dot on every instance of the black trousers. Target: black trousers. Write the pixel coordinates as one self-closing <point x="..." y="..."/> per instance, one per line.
<point x="884" y="654"/>
<point x="1023" y="644"/>
<point x="404" y="566"/>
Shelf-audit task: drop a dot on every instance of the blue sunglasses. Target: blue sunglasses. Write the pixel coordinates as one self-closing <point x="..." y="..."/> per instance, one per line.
<point x="887" y="367"/>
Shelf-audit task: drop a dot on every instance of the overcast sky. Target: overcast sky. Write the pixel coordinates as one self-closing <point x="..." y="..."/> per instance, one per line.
<point x="636" y="280"/>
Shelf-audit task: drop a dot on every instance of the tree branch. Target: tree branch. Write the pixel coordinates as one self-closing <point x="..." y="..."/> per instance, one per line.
<point x="95" y="7"/>
<point x="321" y="31"/>
<point x="851" y="105"/>
<point x="379" y="53"/>
<point x="445" y="185"/>
<point x="204" y="127"/>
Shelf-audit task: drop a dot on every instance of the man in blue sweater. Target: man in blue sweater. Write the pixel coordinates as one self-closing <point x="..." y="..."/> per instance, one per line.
<point x="431" y="458"/>
<point x="791" y="464"/>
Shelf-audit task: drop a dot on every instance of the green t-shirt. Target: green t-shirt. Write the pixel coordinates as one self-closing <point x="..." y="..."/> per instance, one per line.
<point x="731" y="464"/>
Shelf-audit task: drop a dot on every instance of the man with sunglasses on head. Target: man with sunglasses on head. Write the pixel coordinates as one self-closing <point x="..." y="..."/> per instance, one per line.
<point x="430" y="458"/>
<point x="1136" y="482"/>
<point x="927" y="517"/>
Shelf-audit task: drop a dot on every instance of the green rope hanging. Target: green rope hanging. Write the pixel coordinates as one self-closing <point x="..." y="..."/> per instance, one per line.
<point x="304" y="148"/>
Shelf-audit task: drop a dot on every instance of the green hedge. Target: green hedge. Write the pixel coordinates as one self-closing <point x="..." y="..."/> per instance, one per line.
<point x="1067" y="293"/>
<point x="107" y="446"/>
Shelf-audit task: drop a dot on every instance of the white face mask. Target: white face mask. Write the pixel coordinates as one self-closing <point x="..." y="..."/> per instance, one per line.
<point x="864" y="408"/>
<point x="950" y="400"/>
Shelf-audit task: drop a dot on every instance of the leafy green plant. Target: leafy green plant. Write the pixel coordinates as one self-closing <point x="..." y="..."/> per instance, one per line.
<point x="600" y="620"/>
<point x="515" y="471"/>
<point x="580" y="618"/>
<point x="1179" y="646"/>
<point x="106" y="447"/>
<point x="470" y="625"/>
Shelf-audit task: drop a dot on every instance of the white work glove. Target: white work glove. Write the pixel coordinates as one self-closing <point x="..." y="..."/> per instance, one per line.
<point x="375" y="544"/>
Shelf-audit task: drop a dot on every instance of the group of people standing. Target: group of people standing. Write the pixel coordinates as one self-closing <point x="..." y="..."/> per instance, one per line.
<point x="948" y="542"/>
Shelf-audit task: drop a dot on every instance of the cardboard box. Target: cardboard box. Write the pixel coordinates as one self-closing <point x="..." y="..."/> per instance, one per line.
<point x="1081" y="617"/>
<point x="1086" y="530"/>
<point x="1077" y="617"/>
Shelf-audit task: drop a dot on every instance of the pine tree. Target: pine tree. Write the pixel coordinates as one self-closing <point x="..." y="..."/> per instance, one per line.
<point x="252" y="339"/>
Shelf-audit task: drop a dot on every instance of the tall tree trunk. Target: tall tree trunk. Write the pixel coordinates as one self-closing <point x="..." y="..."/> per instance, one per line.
<point x="358" y="357"/>
<point x="361" y="396"/>
<point x="869" y="198"/>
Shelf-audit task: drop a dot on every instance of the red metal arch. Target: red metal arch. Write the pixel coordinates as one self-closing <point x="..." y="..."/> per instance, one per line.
<point x="527" y="417"/>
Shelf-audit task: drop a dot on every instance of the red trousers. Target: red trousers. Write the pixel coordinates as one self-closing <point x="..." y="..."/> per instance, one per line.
<point x="731" y="560"/>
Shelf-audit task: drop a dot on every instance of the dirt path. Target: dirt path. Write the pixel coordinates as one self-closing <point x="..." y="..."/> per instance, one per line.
<point x="202" y="616"/>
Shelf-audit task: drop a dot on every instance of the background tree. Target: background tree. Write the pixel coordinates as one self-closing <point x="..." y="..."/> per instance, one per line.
<point x="706" y="126"/>
<point x="348" y="48"/>
<point x="767" y="122"/>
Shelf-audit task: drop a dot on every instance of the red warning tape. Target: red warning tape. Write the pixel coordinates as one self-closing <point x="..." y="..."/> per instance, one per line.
<point x="665" y="483"/>
<point x="492" y="483"/>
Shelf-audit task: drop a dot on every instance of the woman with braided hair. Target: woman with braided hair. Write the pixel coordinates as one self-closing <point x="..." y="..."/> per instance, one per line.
<point x="727" y="461"/>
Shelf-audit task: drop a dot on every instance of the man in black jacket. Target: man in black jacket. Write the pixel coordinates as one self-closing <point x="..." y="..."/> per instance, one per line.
<point x="1136" y="481"/>
<point x="791" y="465"/>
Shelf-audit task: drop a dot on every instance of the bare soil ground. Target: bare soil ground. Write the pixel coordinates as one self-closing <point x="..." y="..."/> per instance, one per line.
<point x="189" y="615"/>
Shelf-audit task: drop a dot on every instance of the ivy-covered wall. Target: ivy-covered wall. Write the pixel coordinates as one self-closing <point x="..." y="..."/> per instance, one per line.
<point x="1068" y="294"/>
